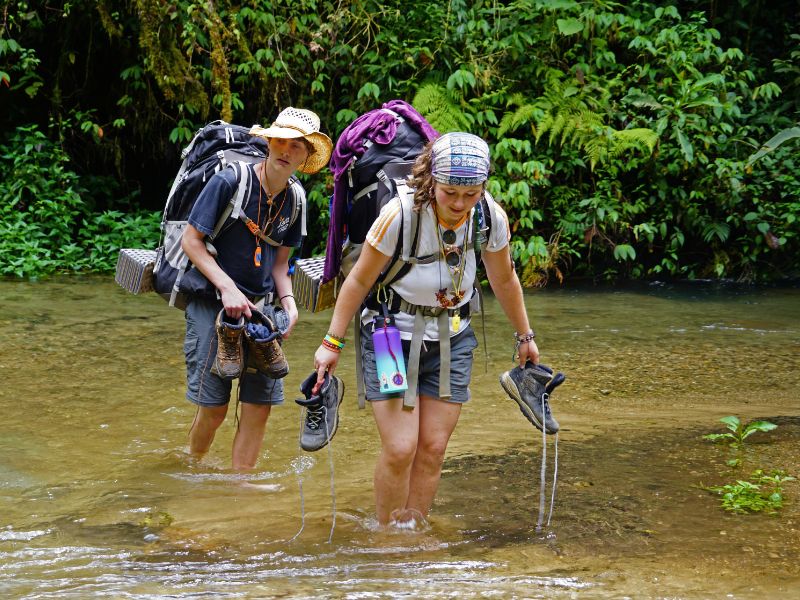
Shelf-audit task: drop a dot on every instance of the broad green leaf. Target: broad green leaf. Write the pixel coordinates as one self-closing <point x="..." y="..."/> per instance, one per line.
<point x="715" y="437"/>
<point x="569" y="26"/>
<point x="557" y="4"/>
<point x="369" y="89"/>
<point x="760" y="426"/>
<point x="624" y="252"/>
<point x="774" y="142"/>
<point x="686" y="145"/>
<point x="731" y="422"/>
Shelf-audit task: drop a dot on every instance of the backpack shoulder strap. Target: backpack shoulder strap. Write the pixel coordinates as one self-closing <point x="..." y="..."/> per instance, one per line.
<point x="409" y="223"/>
<point x="484" y="218"/>
<point x="300" y="205"/>
<point x="405" y="252"/>
<point x="397" y="266"/>
<point x="239" y="198"/>
<point x="242" y="195"/>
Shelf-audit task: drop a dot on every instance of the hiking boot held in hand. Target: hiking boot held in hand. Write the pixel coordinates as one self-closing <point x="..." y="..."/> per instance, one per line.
<point x="322" y="411"/>
<point x="530" y="388"/>
<point x="229" y="361"/>
<point x="264" y="351"/>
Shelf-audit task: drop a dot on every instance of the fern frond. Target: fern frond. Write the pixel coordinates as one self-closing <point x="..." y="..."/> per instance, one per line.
<point x="441" y="110"/>
<point x="557" y="127"/>
<point x="640" y="138"/>
<point x="524" y="115"/>
<point x="544" y="124"/>
<point x="596" y="150"/>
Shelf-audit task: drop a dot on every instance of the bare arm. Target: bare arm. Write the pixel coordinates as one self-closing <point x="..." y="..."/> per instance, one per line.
<point x="283" y="286"/>
<point x="506" y="287"/>
<point x="355" y="288"/>
<point x="235" y="302"/>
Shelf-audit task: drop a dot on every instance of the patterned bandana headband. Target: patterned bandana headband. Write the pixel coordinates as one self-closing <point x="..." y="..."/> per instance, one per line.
<point x="460" y="159"/>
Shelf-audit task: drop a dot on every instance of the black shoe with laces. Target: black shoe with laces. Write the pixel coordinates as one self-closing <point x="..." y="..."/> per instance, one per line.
<point x="530" y="388"/>
<point x="322" y="411"/>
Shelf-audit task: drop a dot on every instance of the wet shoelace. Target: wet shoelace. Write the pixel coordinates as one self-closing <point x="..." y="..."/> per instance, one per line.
<point x="543" y="471"/>
<point x="317" y="415"/>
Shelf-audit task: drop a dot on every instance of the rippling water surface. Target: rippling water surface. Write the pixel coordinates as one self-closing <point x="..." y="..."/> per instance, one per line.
<point x="98" y="497"/>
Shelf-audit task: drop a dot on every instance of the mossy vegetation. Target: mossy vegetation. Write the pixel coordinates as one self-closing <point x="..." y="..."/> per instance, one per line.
<point x="621" y="133"/>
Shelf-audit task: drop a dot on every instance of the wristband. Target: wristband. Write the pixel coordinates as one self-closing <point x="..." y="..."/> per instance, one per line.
<point x="522" y="339"/>
<point x="331" y="346"/>
<point x="335" y="341"/>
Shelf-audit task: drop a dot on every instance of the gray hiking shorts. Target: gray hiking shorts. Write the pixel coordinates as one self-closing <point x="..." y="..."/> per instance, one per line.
<point x="461" y="348"/>
<point x="200" y="347"/>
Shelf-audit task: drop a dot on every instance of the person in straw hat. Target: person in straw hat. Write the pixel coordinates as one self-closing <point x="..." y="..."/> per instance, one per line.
<point x="249" y="273"/>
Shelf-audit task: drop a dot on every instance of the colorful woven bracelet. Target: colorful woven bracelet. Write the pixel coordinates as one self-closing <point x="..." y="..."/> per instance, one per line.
<point x="331" y="346"/>
<point x="337" y="341"/>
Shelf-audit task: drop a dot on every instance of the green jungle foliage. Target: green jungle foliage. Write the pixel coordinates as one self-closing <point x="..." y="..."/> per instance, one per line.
<point x="620" y="131"/>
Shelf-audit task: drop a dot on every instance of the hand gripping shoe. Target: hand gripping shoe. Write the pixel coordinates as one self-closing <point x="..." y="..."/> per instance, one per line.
<point x="229" y="361"/>
<point x="322" y="411"/>
<point x="530" y="387"/>
<point x="264" y="351"/>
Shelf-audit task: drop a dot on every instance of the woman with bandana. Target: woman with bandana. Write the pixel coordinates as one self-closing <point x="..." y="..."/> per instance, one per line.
<point x="430" y="307"/>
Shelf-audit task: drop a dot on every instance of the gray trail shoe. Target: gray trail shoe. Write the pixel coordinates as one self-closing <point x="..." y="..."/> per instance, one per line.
<point x="322" y="411"/>
<point x="264" y="351"/>
<point x="530" y="388"/>
<point x="229" y="361"/>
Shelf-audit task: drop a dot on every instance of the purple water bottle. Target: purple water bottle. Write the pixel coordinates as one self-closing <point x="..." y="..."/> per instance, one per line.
<point x="388" y="355"/>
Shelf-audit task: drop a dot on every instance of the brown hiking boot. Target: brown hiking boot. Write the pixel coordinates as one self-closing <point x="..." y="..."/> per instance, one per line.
<point x="229" y="361"/>
<point x="264" y="351"/>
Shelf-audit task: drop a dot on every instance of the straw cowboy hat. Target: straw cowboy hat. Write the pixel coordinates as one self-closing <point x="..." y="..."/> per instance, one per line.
<point x="295" y="123"/>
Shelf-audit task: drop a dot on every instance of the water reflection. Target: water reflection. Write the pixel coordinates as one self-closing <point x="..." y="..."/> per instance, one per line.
<point x="98" y="496"/>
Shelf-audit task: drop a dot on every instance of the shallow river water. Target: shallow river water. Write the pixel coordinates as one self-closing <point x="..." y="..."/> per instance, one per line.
<point x="98" y="498"/>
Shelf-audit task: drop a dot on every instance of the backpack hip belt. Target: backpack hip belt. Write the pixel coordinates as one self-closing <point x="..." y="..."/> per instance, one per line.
<point x="385" y="294"/>
<point x="433" y="311"/>
<point x="262" y="301"/>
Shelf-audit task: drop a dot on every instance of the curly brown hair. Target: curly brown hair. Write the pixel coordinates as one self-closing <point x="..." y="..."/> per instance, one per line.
<point x="421" y="178"/>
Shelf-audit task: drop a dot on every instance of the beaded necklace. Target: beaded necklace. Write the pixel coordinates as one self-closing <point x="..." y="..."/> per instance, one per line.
<point x="456" y="271"/>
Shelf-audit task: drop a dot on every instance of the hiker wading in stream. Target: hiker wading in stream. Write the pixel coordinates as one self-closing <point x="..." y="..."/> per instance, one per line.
<point x="431" y="307"/>
<point x="248" y="273"/>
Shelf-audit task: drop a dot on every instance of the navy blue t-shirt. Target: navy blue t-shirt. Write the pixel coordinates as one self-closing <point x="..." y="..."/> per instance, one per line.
<point x="236" y="244"/>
